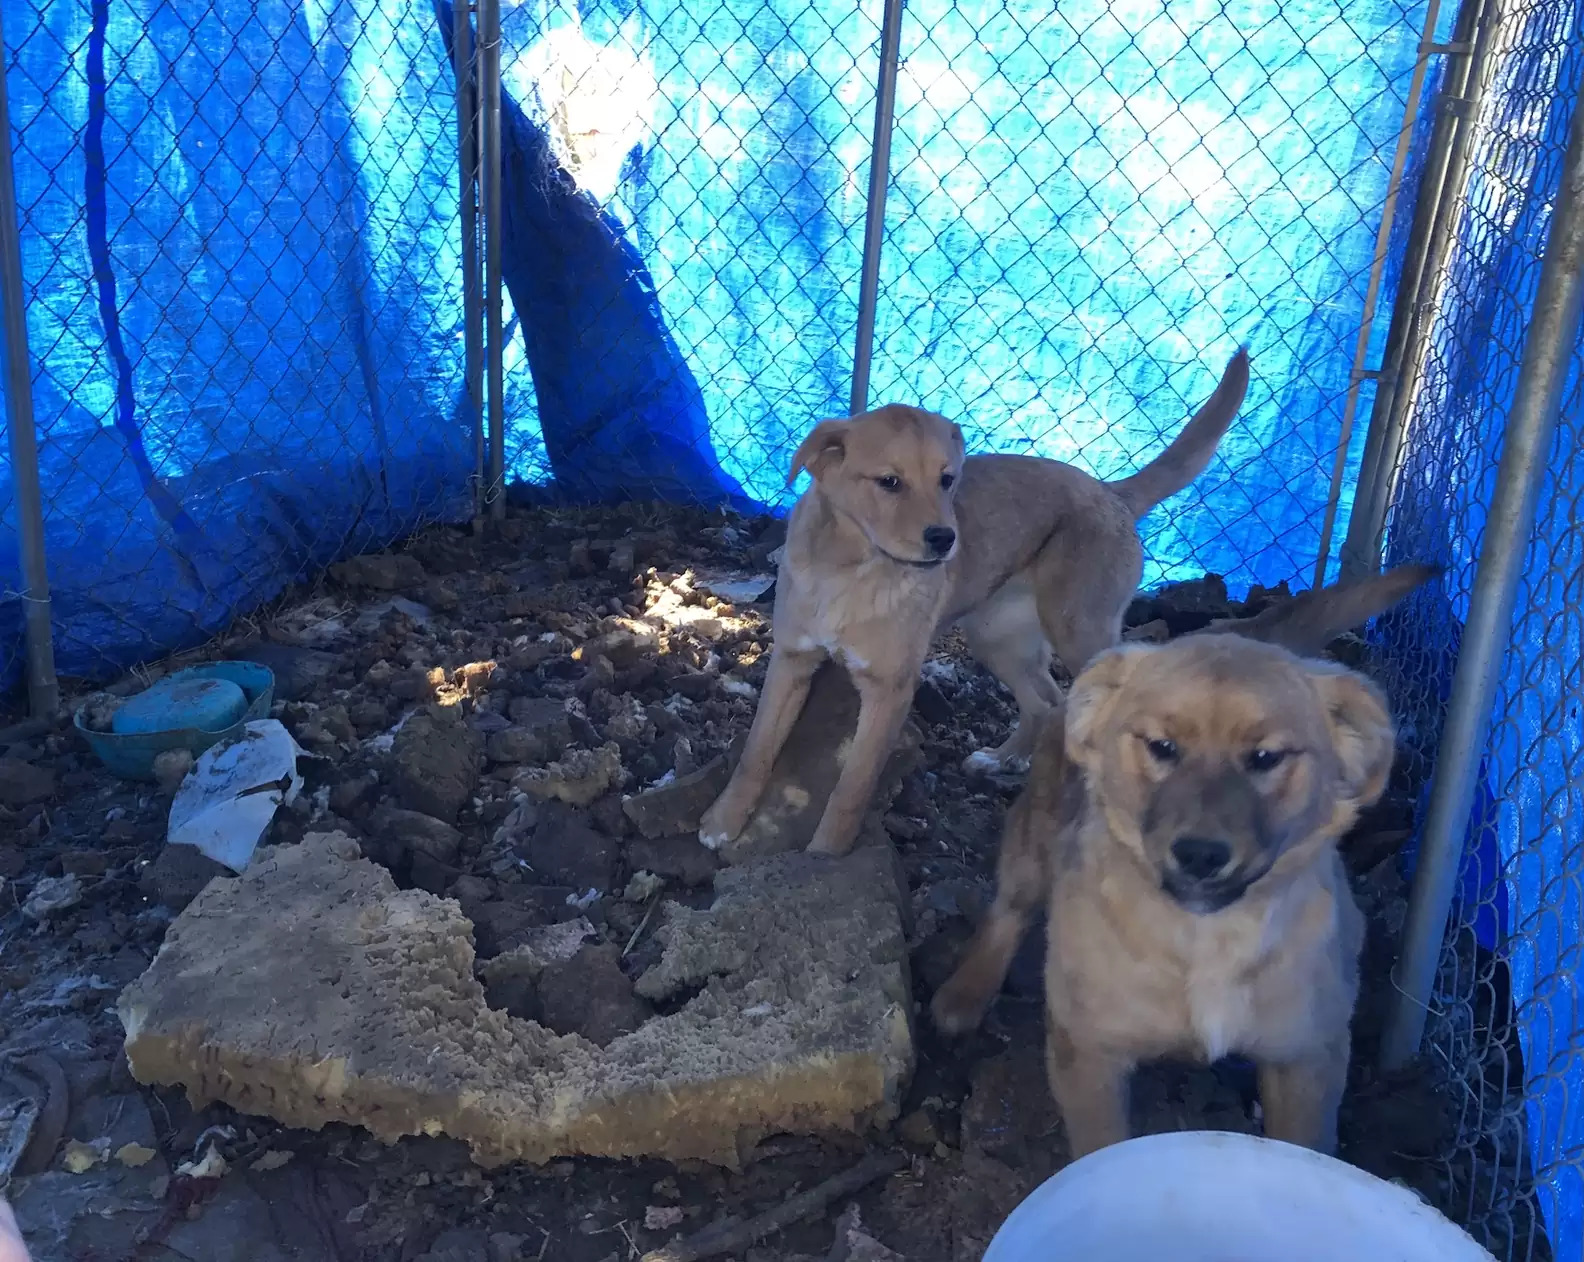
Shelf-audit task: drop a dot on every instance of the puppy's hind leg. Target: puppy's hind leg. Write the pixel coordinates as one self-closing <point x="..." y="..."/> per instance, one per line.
<point x="1300" y="1098"/>
<point x="1021" y="885"/>
<point x="1005" y="635"/>
<point x="1083" y="583"/>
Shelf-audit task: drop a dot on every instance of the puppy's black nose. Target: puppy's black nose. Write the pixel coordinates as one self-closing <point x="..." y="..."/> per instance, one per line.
<point x="1200" y="859"/>
<point x="939" y="539"/>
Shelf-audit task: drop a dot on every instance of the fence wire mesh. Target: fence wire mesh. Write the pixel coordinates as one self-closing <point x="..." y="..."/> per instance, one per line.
<point x="1095" y="203"/>
<point x="1505" y="1039"/>
<point x="723" y="146"/>
<point x="240" y="242"/>
<point x="1088" y="211"/>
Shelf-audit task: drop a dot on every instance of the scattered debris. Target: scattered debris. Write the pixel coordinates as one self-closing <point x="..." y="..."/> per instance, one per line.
<point x="225" y="805"/>
<point x="854" y="1244"/>
<point x="578" y="777"/>
<point x="662" y="1217"/>
<point x="171" y="768"/>
<point x="52" y="896"/>
<point x="79" y="1158"/>
<point x="734" y="1235"/>
<point x="135" y="1155"/>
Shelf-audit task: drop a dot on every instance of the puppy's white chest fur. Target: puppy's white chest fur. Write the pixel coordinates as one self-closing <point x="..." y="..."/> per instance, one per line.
<point x="1221" y="960"/>
<point x="854" y="615"/>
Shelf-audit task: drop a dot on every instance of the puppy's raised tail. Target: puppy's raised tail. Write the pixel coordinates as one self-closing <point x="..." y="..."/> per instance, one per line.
<point x="1311" y="620"/>
<point x="1191" y="450"/>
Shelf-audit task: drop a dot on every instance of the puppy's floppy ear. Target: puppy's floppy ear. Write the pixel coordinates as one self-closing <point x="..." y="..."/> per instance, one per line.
<point x="957" y="433"/>
<point x="1091" y="695"/>
<point x="825" y="446"/>
<point x="1362" y="733"/>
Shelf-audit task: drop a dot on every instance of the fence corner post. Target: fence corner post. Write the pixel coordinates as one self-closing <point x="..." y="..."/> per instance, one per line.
<point x="874" y="213"/>
<point x="1531" y="426"/>
<point x="16" y="379"/>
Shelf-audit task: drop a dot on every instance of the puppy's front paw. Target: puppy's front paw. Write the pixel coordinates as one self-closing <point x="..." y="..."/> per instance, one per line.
<point x="957" y="1008"/>
<point x="834" y="840"/>
<point x="721" y="823"/>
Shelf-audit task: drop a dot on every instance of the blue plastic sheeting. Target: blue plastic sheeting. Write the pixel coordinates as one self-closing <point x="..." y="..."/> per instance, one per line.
<point x="1526" y="825"/>
<point x="239" y="230"/>
<point x="240" y="235"/>
<point x="1091" y="206"/>
<point x="634" y="427"/>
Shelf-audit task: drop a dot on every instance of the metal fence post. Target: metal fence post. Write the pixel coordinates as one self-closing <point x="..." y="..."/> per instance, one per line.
<point x="874" y="216"/>
<point x="1445" y="167"/>
<point x="16" y="379"/>
<point x="1531" y="425"/>
<point x="490" y="94"/>
<point x="1358" y="375"/>
<point x="467" y="182"/>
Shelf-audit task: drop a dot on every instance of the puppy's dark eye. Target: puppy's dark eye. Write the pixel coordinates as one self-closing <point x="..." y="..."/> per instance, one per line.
<point x="890" y="482"/>
<point x="947" y="479"/>
<point x="1162" y="751"/>
<point x="1265" y="759"/>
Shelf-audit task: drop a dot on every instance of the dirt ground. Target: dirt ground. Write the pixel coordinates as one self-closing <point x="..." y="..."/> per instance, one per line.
<point x="553" y="602"/>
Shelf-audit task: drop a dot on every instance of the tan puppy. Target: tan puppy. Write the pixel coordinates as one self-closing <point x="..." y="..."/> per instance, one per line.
<point x="1181" y="824"/>
<point x="900" y="536"/>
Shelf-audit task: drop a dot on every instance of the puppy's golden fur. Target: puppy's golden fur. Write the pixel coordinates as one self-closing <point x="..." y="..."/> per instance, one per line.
<point x="899" y="535"/>
<point x="1180" y="824"/>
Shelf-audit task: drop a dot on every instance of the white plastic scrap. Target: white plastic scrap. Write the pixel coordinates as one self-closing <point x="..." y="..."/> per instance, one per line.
<point x="232" y="793"/>
<point x="52" y="895"/>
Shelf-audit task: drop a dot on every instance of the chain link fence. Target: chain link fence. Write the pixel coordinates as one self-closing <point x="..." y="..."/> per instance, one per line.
<point x="1504" y="1026"/>
<point x="1095" y="204"/>
<point x="1088" y="211"/>
<point x="241" y="256"/>
<point x="243" y="251"/>
<point x="722" y="145"/>
<point x="242" y="244"/>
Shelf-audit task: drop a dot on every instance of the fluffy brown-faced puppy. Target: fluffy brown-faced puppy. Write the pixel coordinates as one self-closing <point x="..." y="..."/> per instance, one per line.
<point x="899" y="536"/>
<point x="1180" y="824"/>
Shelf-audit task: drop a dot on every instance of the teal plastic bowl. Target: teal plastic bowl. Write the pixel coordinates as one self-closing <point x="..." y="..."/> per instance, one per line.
<point x="191" y="709"/>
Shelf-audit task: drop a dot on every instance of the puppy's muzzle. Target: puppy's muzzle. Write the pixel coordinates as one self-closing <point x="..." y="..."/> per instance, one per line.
<point x="1199" y="874"/>
<point x="939" y="540"/>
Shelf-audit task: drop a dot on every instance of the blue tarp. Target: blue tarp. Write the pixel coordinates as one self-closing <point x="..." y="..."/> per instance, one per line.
<point x="242" y="251"/>
<point x="240" y="237"/>
<point x="1521" y="891"/>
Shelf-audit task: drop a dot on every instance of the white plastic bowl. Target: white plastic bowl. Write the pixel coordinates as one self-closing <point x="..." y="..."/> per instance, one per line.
<point x="1212" y="1196"/>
